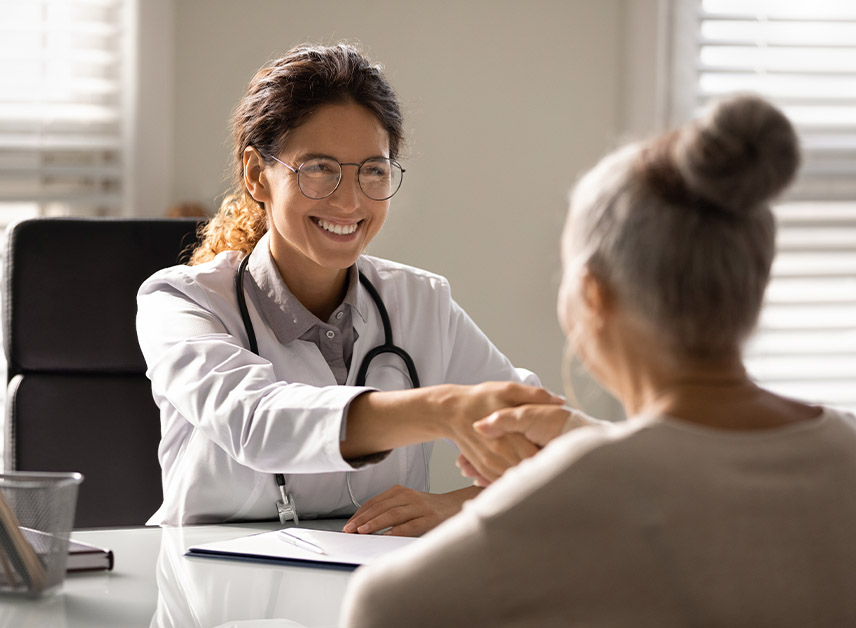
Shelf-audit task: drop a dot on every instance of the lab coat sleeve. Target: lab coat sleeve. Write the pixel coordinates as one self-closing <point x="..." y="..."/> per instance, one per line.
<point x="471" y="358"/>
<point x="228" y="393"/>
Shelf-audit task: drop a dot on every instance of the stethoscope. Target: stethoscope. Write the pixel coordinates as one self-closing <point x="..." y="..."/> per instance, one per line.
<point x="286" y="507"/>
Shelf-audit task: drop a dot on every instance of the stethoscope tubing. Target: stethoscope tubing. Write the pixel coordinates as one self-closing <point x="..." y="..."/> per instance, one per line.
<point x="388" y="345"/>
<point x="242" y="306"/>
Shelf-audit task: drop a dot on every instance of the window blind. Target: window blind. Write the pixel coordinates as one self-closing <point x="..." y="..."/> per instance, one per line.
<point x="61" y="98"/>
<point x="802" y="56"/>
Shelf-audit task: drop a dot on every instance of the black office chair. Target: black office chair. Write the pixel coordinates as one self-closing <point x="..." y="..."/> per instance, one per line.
<point x="77" y="395"/>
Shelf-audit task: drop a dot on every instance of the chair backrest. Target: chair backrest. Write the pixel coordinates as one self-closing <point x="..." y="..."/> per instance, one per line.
<point x="77" y="395"/>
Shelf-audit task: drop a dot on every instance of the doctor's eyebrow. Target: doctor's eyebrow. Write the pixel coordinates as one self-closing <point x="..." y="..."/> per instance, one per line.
<point x="300" y="159"/>
<point x="307" y="156"/>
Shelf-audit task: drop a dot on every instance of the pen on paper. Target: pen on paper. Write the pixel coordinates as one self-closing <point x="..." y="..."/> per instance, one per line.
<point x="288" y="537"/>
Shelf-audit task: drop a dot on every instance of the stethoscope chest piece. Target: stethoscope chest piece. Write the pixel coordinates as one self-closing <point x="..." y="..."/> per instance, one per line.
<point x="286" y="507"/>
<point x="287" y="510"/>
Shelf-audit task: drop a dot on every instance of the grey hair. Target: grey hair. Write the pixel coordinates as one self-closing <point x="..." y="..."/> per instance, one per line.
<point x="680" y="229"/>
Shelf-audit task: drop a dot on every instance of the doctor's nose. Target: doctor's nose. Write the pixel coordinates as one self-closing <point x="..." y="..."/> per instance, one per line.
<point x="347" y="195"/>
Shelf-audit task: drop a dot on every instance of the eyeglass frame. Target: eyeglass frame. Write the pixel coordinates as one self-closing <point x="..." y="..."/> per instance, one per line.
<point x="339" y="182"/>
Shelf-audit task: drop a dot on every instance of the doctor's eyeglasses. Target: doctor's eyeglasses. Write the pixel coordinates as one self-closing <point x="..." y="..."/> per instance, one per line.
<point x="319" y="177"/>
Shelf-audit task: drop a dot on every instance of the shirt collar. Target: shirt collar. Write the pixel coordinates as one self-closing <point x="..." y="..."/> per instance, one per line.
<point x="283" y="312"/>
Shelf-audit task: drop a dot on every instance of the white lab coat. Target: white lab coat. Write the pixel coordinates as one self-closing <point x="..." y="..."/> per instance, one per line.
<point x="231" y="419"/>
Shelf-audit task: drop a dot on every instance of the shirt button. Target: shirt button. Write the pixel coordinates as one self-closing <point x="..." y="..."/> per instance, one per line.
<point x="331" y="334"/>
<point x="339" y="315"/>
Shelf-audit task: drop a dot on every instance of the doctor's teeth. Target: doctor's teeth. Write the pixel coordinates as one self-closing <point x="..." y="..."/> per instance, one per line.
<point x="337" y="229"/>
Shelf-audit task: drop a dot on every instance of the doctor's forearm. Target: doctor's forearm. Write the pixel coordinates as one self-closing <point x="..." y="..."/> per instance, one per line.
<point x="379" y="421"/>
<point x="383" y="420"/>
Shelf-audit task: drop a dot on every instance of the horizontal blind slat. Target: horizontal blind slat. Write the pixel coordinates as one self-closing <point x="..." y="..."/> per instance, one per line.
<point x="50" y="142"/>
<point x="98" y="171"/>
<point x="826" y="10"/>
<point x="801" y="56"/>
<point x="816" y="342"/>
<point x="61" y="107"/>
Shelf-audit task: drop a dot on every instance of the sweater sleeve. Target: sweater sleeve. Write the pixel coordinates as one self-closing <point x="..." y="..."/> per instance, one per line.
<point x="439" y="581"/>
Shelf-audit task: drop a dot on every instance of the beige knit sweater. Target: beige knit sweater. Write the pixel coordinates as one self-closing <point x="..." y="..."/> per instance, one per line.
<point x="652" y="522"/>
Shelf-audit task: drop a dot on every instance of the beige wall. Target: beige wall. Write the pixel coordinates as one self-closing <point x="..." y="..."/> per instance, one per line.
<point x="505" y="103"/>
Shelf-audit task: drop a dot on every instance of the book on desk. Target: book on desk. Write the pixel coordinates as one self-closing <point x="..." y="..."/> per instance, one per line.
<point x="81" y="556"/>
<point x="86" y="557"/>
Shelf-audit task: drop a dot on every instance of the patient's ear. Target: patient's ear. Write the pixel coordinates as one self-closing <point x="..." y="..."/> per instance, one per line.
<point x="598" y="302"/>
<point x="254" y="178"/>
<point x="584" y="303"/>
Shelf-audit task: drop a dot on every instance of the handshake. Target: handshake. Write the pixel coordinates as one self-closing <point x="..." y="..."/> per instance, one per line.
<point x="508" y="435"/>
<point x="495" y="426"/>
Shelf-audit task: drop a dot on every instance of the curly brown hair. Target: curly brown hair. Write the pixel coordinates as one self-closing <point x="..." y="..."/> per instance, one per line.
<point x="280" y="97"/>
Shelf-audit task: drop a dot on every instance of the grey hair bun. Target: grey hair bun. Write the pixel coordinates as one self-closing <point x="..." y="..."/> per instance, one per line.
<point x="740" y="155"/>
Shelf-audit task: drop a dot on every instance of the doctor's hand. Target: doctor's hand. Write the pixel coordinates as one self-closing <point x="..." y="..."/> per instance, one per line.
<point x="407" y="512"/>
<point x="538" y="424"/>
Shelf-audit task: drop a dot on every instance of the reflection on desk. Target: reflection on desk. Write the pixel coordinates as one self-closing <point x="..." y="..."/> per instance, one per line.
<point x="154" y="584"/>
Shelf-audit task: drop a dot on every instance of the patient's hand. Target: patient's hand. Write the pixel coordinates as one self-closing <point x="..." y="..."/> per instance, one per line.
<point x="407" y="512"/>
<point x="539" y="424"/>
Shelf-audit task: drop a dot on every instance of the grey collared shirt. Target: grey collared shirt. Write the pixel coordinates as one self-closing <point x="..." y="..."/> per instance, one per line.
<point x="290" y="320"/>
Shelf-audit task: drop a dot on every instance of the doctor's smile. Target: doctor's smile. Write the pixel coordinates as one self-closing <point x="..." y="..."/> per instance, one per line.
<point x="337" y="228"/>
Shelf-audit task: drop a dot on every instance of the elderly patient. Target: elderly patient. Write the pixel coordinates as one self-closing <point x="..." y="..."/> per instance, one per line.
<point x="717" y="503"/>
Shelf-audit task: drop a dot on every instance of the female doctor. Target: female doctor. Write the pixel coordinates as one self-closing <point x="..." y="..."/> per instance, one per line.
<point x="255" y="349"/>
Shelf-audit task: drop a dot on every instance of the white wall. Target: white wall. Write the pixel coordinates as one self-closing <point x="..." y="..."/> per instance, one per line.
<point x="151" y="61"/>
<point x="506" y="103"/>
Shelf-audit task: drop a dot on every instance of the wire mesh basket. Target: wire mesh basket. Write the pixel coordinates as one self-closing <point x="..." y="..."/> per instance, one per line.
<point x="36" y="516"/>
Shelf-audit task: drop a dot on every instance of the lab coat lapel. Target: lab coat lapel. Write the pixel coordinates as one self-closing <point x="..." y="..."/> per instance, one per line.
<point x="307" y="365"/>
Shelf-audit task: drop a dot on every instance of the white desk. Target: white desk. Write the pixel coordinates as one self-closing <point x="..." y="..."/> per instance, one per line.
<point x="154" y="584"/>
